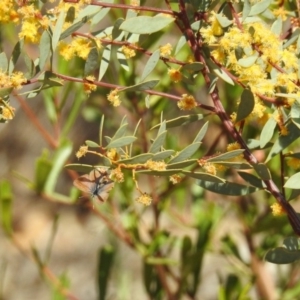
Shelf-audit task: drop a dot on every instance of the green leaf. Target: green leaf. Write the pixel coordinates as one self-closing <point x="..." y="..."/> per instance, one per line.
<point x="246" y="9"/>
<point x="147" y="85"/>
<point x="122" y="60"/>
<point x="267" y="132"/>
<point x="227" y="188"/>
<point x="5" y="92"/>
<point x="158" y="142"/>
<point x="146" y="24"/>
<point x="181" y="42"/>
<point x="284" y="255"/>
<point x="101" y="14"/>
<point x="201" y="133"/>
<point x="123" y="141"/>
<point x="160" y="173"/>
<point x="227" y="155"/>
<point x="78" y="24"/>
<point x="162" y="128"/>
<point x="194" y="67"/>
<point x="92" y="144"/>
<point x="252" y="179"/>
<point x="262" y="171"/>
<point x="139" y="159"/>
<point x="234" y="165"/>
<point x="186" y="153"/>
<point x="59" y="160"/>
<point x="105" y="60"/>
<point x="45" y="48"/>
<point x="180" y="121"/>
<point x="162" y="155"/>
<point x="219" y="72"/>
<point x="92" y="62"/>
<point x="43" y="166"/>
<point x="223" y="21"/>
<point x="151" y="64"/>
<point x="248" y="61"/>
<point x="293" y="182"/>
<point x="203" y="176"/>
<point x="82" y="168"/>
<point x="15" y="56"/>
<point x="284" y="140"/>
<point x="106" y="259"/>
<point x="58" y="29"/>
<point x="6" y="199"/>
<point x="3" y="62"/>
<point x="259" y="7"/>
<point x="120" y="132"/>
<point x="181" y="164"/>
<point x="246" y="105"/>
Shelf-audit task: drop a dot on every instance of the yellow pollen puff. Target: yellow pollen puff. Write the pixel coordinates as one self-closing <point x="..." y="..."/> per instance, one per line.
<point x="128" y="52"/>
<point x="155" y="165"/>
<point x="145" y="199"/>
<point x="112" y="154"/>
<point x="233" y="146"/>
<point x="175" y="179"/>
<point x="187" y="102"/>
<point x="210" y="168"/>
<point x="113" y="98"/>
<point x="82" y="151"/>
<point x="166" y="50"/>
<point x="294" y="163"/>
<point x="117" y="175"/>
<point x="277" y="209"/>
<point x="8" y="112"/>
<point x="175" y="75"/>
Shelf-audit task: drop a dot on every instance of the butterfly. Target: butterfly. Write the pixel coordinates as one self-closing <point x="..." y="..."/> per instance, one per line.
<point x="97" y="183"/>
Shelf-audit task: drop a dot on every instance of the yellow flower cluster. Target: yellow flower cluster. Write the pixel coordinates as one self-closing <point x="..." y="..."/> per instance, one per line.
<point x="187" y="102"/>
<point x="128" y="52"/>
<point x="89" y="87"/>
<point x="144" y="199"/>
<point x="277" y="209"/>
<point x="117" y="175"/>
<point x="8" y="12"/>
<point x="114" y="98"/>
<point x="155" y="165"/>
<point x="166" y="50"/>
<point x="33" y="23"/>
<point x="7" y="112"/>
<point x="175" y="75"/>
<point x="294" y="163"/>
<point x="259" y="49"/>
<point x="79" y="46"/>
<point x="15" y="80"/>
<point x="82" y="151"/>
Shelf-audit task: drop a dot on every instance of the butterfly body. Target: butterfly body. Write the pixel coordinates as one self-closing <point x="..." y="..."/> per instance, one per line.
<point x="97" y="183"/>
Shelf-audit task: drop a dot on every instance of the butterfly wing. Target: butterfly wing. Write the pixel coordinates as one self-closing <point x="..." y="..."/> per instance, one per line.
<point x="97" y="183"/>
<point x="104" y="184"/>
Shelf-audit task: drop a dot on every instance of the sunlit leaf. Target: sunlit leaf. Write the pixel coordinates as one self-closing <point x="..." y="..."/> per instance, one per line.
<point x="139" y="159"/>
<point x="181" y="164"/>
<point x="203" y="176"/>
<point x="151" y="64"/>
<point x="293" y="182"/>
<point x="267" y="132"/>
<point x="158" y="142"/>
<point x="284" y="141"/>
<point x="186" y="153"/>
<point x="227" y="188"/>
<point x="225" y="156"/>
<point x="146" y="24"/>
<point x="246" y="105"/>
<point x="123" y="141"/>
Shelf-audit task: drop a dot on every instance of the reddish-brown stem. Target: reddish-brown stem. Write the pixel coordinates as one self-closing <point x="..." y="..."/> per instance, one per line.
<point x="53" y="143"/>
